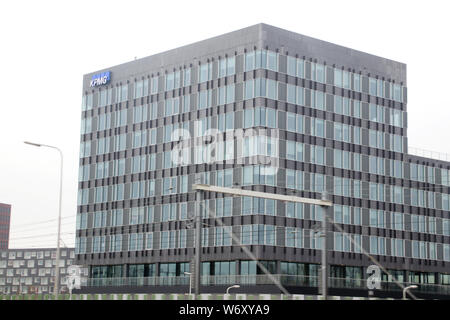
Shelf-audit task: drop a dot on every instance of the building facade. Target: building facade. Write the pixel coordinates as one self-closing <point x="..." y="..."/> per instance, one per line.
<point x="32" y="270"/>
<point x="5" y="220"/>
<point x="287" y="114"/>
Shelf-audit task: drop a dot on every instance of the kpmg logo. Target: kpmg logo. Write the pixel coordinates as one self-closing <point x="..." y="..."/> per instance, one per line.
<point x="100" y="79"/>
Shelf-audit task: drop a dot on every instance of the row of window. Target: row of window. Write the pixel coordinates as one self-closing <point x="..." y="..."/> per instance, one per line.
<point x="259" y="59"/>
<point x="174" y="132"/>
<point x="223" y="207"/>
<point x="267" y="175"/>
<point x="260" y="87"/>
<point x="260" y="234"/>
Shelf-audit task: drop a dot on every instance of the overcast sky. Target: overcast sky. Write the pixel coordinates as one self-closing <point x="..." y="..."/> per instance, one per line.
<point x="47" y="46"/>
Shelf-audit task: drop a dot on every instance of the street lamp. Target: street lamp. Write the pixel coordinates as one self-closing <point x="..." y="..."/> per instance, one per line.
<point x="59" y="214"/>
<point x="233" y="286"/>
<point x="190" y="281"/>
<point x="407" y="288"/>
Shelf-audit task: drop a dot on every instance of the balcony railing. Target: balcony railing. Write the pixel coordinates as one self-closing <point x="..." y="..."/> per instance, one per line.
<point x="429" y="154"/>
<point x="246" y="280"/>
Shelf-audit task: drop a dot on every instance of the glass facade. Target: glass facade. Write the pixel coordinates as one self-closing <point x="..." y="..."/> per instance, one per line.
<point x="338" y="129"/>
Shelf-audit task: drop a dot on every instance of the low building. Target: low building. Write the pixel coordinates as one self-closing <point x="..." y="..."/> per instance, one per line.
<point x="32" y="270"/>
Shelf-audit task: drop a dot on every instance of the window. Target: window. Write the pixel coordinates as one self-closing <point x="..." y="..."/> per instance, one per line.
<point x="138" y="215"/>
<point x="377" y="245"/>
<point x="204" y="99"/>
<point x="338" y="77"/>
<point x="294" y="210"/>
<point x="317" y="182"/>
<point x="260" y="116"/>
<point x="341" y="132"/>
<point x="395" y="118"/>
<point x="261" y="59"/>
<point x="294" y="122"/>
<point x="224" y="207"/>
<point x="149" y="241"/>
<point x="225" y="121"/>
<point x="139" y="139"/>
<point x="396" y="94"/>
<point x="341" y="242"/>
<point x="317" y="99"/>
<point x="154" y="84"/>
<point x="225" y="94"/>
<point x="376" y="165"/>
<point x="318" y="127"/>
<point x="260" y="87"/>
<point x="294" y="150"/>
<point x="341" y="105"/>
<point x="105" y="97"/>
<point x="295" y="94"/>
<point x="294" y="179"/>
<point x="341" y="214"/>
<point x="120" y="117"/>
<point x="104" y="121"/>
<point x="121" y="93"/>
<point x="397" y="221"/>
<point x="396" y="142"/>
<point x="205" y="72"/>
<point x="318" y="155"/>
<point x="98" y="244"/>
<point x="86" y="125"/>
<point x="372" y="86"/>
<point x="141" y="88"/>
<point x="397" y="194"/>
<point x="172" y="106"/>
<point x="258" y="234"/>
<point x="376" y="218"/>
<point x="398" y="247"/>
<point x="357" y="82"/>
<point x="222" y="236"/>
<point x="294" y="237"/>
<point x="169" y="185"/>
<point x="118" y="192"/>
<point x="120" y="142"/>
<point x="173" y="80"/>
<point x="227" y="66"/>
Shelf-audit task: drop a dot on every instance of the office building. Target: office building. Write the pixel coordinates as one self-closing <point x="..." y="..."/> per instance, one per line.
<point x="5" y="220"/>
<point x="315" y="117"/>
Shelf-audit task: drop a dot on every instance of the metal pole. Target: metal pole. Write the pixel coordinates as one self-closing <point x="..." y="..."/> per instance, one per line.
<point x="56" y="284"/>
<point x="59" y="229"/>
<point x="190" y="284"/>
<point x="198" y="244"/>
<point x="324" y="273"/>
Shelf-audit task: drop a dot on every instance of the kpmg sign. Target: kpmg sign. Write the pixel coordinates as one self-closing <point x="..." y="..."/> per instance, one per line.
<point x="100" y="79"/>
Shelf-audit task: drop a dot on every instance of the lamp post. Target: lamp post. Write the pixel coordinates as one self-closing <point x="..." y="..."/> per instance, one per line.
<point x="407" y="288"/>
<point x="233" y="286"/>
<point x="56" y="288"/>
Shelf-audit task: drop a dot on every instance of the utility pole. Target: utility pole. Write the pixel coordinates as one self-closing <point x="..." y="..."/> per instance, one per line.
<point x="198" y="242"/>
<point x="324" y="268"/>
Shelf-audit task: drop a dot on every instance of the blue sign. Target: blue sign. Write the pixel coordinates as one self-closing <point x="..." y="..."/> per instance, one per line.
<point x="100" y="79"/>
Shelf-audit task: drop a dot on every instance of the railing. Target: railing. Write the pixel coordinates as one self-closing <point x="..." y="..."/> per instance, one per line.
<point x="286" y="280"/>
<point x="429" y="154"/>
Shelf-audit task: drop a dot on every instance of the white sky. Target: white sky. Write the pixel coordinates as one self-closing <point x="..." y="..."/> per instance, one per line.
<point x="47" y="46"/>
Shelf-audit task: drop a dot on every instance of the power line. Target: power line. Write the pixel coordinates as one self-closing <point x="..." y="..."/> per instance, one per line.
<point x="41" y="235"/>
<point x="44" y="221"/>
